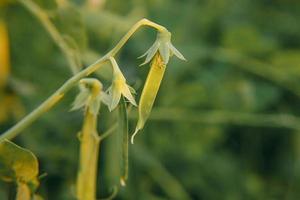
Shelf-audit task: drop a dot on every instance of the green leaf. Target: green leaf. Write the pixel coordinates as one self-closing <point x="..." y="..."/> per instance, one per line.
<point x="17" y="163"/>
<point x="116" y="167"/>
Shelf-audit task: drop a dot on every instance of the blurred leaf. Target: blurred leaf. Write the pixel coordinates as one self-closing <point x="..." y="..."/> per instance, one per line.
<point x="167" y="181"/>
<point x="4" y="54"/>
<point x="10" y="106"/>
<point x="37" y="197"/>
<point x="287" y="61"/>
<point x="6" y="2"/>
<point x="247" y="39"/>
<point x="70" y="23"/>
<point x="17" y="163"/>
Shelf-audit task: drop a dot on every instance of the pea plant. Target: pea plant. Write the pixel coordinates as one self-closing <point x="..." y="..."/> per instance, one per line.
<point x="20" y="165"/>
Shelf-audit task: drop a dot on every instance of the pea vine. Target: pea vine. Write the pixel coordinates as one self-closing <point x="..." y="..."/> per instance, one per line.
<point x="92" y="95"/>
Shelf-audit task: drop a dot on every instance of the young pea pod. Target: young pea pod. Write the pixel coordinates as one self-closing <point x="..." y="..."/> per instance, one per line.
<point x="152" y="84"/>
<point x="123" y="129"/>
<point x="89" y="98"/>
<point x="159" y="53"/>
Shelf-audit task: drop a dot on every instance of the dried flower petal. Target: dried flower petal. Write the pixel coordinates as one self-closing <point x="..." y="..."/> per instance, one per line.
<point x="90" y="96"/>
<point x="164" y="46"/>
<point x="119" y="87"/>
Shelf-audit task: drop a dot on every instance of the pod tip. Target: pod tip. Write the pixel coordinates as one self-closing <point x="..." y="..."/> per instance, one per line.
<point x="134" y="134"/>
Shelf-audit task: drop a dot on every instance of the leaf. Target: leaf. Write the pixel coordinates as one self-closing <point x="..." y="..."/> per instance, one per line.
<point x="17" y="163"/>
<point x="123" y="131"/>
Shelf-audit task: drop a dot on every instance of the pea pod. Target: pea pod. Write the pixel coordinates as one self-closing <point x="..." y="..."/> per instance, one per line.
<point x="152" y="84"/>
<point x="89" y="97"/>
<point x="123" y="124"/>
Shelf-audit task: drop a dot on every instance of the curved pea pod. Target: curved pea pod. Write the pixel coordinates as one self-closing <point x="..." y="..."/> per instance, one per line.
<point x="151" y="87"/>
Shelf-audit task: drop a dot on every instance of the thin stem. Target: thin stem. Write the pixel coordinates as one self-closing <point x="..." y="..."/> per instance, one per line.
<point x="46" y="22"/>
<point x="42" y="16"/>
<point x="113" y="194"/>
<point x="109" y="131"/>
<point x="134" y="28"/>
<point x="51" y="101"/>
<point x="59" y="93"/>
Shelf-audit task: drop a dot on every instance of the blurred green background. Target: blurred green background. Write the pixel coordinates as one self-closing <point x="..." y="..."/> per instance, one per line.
<point x="224" y="125"/>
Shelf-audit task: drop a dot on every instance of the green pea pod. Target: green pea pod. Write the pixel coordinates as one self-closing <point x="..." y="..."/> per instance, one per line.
<point x="152" y="84"/>
<point x="123" y="124"/>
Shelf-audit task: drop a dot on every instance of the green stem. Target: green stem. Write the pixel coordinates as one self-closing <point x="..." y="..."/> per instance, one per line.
<point x="51" y="101"/>
<point x="42" y="16"/>
<point x="134" y="28"/>
<point x="109" y="131"/>
<point x="58" y="95"/>
<point x="54" y="33"/>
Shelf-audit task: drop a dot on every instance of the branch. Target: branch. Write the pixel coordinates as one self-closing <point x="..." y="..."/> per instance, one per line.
<point x="60" y="93"/>
<point x="42" y="16"/>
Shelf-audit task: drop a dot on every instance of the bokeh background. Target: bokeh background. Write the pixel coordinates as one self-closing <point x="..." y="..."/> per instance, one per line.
<point x="225" y="123"/>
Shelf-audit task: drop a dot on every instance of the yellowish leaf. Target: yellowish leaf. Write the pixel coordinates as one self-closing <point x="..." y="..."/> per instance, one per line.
<point x="4" y="54"/>
<point x="16" y="163"/>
